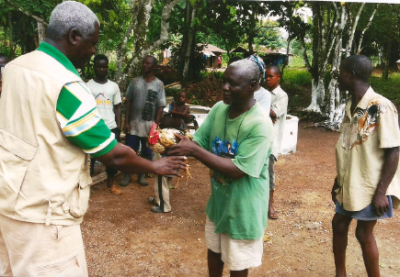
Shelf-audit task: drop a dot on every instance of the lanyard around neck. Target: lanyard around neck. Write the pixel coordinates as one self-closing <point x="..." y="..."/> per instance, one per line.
<point x="240" y="125"/>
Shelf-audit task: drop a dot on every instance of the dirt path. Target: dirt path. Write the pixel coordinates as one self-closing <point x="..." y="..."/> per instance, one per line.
<point x="123" y="238"/>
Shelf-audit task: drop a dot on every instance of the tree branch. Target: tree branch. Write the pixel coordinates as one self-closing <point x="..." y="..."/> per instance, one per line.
<point x="122" y="46"/>
<point x="359" y="49"/>
<point x="37" y="18"/>
<point x="353" y="30"/>
<point x="164" y="36"/>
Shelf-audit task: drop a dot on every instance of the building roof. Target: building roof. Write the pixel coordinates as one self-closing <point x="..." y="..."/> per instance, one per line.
<point x="263" y="50"/>
<point x="211" y="48"/>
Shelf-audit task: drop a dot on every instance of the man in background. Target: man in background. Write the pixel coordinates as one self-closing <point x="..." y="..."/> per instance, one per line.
<point x="108" y="100"/>
<point x="279" y="103"/>
<point x="367" y="185"/>
<point x="146" y="100"/>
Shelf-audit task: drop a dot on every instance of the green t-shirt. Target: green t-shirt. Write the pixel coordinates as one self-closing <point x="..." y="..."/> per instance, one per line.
<point x="239" y="207"/>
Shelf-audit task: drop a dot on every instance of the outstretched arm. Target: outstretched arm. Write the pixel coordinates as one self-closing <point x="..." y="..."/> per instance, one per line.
<point x="223" y="165"/>
<point x="125" y="159"/>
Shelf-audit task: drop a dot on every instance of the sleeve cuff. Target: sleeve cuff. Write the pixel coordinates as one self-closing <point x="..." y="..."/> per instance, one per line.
<point x="244" y="170"/>
<point x="105" y="150"/>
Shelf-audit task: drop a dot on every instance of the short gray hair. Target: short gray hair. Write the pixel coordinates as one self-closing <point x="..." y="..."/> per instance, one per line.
<point x="69" y="15"/>
<point x="248" y="68"/>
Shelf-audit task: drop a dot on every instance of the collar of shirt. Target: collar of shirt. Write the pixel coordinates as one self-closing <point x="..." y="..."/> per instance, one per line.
<point x="56" y="54"/>
<point x="276" y="90"/>
<point x="363" y="102"/>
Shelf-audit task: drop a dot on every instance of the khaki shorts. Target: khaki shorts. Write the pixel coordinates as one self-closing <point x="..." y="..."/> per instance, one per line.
<point x="237" y="255"/>
<point x="33" y="249"/>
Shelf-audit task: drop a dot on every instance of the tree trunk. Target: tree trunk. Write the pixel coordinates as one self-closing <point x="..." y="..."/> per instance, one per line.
<point x="287" y="56"/>
<point x="352" y="30"/>
<point x="385" y="59"/>
<point x="317" y="83"/>
<point x="41" y="31"/>
<point x="252" y="29"/>
<point x="164" y="36"/>
<point x="142" y="26"/>
<point x="135" y="7"/>
<point x="318" y="92"/>
<point x="360" y="47"/>
<point x="190" y="41"/>
<point x="333" y="88"/>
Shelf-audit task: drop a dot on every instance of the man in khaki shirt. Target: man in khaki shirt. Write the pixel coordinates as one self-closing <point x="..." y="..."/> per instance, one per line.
<point x="367" y="185"/>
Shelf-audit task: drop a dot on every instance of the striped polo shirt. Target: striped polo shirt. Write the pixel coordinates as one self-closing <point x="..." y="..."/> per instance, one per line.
<point x="77" y="112"/>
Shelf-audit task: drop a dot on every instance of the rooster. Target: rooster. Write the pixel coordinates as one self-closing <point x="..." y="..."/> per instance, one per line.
<point x="161" y="139"/>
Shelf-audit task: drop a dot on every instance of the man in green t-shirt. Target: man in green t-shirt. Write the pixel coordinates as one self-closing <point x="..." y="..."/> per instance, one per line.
<point x="235" y="143"/>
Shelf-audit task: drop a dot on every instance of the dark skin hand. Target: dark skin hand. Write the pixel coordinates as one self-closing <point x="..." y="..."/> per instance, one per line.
<point x="272" y="115"/>
<point x="159" y="115"/>
<point x="333" y="193"/>
<point x="380" y="203"/>
<point x="187" y="147"/>
<point x="125" y="159"/>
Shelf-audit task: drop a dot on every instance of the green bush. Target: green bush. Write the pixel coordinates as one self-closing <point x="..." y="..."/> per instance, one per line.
<point x="388" y="88"/>
<point x="296" y="76"/>
<point x="296" y="61"/>
<point x="172" y="91"/>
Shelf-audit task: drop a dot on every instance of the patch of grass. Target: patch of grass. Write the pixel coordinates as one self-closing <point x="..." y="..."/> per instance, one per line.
<point x="213" y="73"/>
<point x="389" y="88"/>
<point x="296" y="76"/>
<point x="296" y="83"/>
<point x="296" y="61"/>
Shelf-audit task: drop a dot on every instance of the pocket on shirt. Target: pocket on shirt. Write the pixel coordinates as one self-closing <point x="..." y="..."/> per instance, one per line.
<point x="78" y="201"/>
<point x="66" y="268"/>
<point x="15" y="157"/>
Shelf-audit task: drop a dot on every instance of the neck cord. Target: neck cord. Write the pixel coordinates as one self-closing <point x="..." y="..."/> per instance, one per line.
<point x="240" y="125"/>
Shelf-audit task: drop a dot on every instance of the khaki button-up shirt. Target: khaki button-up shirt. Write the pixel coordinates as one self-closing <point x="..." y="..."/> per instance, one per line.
<point x="365" y="133"/>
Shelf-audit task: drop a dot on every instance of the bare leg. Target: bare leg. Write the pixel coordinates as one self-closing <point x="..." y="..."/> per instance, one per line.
<point x="215" y="264"/>
<point x="365" y="236"/>
<point x="242" y="273"/>
<point x="110" y="181"/>
<point x="340" y="227"/>
<point x="272" y="214"/>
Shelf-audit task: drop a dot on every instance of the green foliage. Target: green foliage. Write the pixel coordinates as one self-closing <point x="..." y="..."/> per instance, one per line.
<point x="172" y="91"/>
<point x="296" y="61"/>
<point x="388" y="88"/>
<point x="297" y="76"/>
<point x="268" y="35"/>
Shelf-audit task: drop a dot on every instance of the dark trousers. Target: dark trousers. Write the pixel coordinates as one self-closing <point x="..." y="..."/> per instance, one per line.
<point x="109" y="170"/>
<point x="134" y="142"/>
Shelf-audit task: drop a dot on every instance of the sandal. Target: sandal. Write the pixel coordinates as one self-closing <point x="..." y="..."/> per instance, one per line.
<point x="156" y="209"/>
<point x="152" y="200"/>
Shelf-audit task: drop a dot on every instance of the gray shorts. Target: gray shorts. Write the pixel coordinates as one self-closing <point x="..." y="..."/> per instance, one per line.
<point x="366" y="214"/>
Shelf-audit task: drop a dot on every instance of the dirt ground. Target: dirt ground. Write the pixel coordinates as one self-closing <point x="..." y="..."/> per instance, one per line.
<point x="123" y="238"/>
